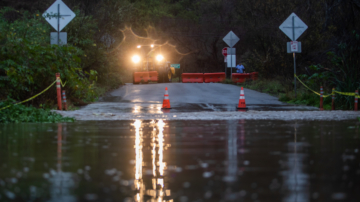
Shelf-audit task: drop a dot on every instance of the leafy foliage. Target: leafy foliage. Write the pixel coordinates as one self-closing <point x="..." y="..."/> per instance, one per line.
<point x="29" y="61"/>
<point x="21" y="113"/>
<point x="342" y="71"/>
<point x="195" y="28"/>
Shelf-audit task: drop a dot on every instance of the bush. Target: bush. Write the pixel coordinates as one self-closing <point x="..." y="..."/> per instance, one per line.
<point x="227" y="81"/>
<point x="342" y="72"/>
<point x="29" y="62"/>
<point x="21" y="113"/>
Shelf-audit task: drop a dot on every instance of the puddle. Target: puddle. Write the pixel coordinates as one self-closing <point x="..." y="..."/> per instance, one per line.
<point x="155" y="160"/>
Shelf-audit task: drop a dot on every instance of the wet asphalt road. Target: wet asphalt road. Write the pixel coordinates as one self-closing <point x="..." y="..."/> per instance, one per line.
<point x="186" y="97"/>
<point x="185" y="161"/>
<point x="198" y="101"/>
<point x="214" y="93"/>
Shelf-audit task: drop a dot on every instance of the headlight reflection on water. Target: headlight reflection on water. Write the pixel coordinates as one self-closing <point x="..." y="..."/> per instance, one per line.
<point x="137" y="110"/>
<point x="138" y="161"/>
<point x="161" y="125"/>
<point x="158" y="190"/>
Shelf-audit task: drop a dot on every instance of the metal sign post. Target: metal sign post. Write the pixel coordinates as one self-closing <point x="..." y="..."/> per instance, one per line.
<point x="58" y="17"/>
<point x="293" y="27"/>
<point x="231" y="39"/>
<point x="57" y="20"/>
<point x="231" y="58"/>
<point x="224" y="52"/>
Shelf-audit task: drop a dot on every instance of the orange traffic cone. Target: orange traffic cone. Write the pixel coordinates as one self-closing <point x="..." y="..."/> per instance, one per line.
<point x="166" y="101"/>
<point x="242" y="104"/>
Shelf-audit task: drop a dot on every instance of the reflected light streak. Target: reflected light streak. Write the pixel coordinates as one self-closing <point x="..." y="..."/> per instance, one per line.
<point x="159" y="110"/>
<point x="138" y="159"/>
<point x="137" y="110"/>
<point x="158" y="191"/>
<point x="161" y="125"/>
<point x="153" y="153"/>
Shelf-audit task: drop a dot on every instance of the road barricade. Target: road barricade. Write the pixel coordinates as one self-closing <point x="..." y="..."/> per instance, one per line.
<point x="141" y="77"/>
<point x="214" y="77"/>
<point x="254" y="75"/>
<point x="192" y="77"/>
<point x="153" y="76"/>
<point x="240" y="77"/>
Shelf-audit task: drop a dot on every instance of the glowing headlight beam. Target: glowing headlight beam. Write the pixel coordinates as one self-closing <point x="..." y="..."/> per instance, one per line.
<point x="136" y="59"/>
<point x="159" y="58"/>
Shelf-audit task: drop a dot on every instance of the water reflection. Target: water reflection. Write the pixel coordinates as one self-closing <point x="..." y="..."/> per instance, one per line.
<point x="152" y="109"/>
<point x="61" y="183"/>
<point x="232" y="152"/>
<point x="138" y="161"/>
<point x="296" y="181"/>
<point x="110" y="161"/>
<point x="158" y="191"/>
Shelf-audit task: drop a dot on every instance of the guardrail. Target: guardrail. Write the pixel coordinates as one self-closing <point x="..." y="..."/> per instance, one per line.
<point x="145" y="77"/>
<point x="214" y="77"/>
<point x="240" y="77"/>
<point x="254" y="75"/>
<point x="192" y="77"/>
<point x="153" y="75"/>
<point x="217" y="77"/>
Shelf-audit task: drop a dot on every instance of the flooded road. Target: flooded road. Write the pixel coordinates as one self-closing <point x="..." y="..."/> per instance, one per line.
<point x="178" y="160"/>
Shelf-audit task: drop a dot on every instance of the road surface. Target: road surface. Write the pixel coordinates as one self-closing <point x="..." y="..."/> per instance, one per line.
<point x="197" y="101"/>
<point x="190" y="93"/>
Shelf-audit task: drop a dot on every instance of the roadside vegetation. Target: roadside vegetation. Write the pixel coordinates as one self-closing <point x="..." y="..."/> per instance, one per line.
<point x="104" y="34"/>
<point x="285" y="93"/>
<point x="340" y="71"/>
<point x="21" y="113"/>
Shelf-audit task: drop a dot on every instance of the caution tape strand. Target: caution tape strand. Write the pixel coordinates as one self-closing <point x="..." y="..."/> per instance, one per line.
<point x="346" y="93"/>
<point x="311" y="89"/>
<point x="63" y="85"/>
<point x="341" y="93"/>
<point x="30" y="98"/>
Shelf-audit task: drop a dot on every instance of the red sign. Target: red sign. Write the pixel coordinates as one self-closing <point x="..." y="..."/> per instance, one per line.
<point x="224" y="51"/>
<point x="294" y="46"/>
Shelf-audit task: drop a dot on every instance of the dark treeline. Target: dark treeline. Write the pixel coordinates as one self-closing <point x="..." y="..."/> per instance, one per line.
<point x="194" y="29"/>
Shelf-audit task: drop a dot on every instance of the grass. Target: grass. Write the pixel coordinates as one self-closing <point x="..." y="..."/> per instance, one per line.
<point x="175" y="80"/>
<point x="227" y="81"/>
<point x="285" y="92"/>
<point x="272" y="87"/>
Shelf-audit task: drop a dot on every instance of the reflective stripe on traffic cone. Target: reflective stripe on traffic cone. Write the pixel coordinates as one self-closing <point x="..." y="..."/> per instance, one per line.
<point x="64" y="100"/>
<point x="321" y="98"/>
<point x="242" y="104"/>
<point x="58" y="91"/>
<point x="166" y="101"/>
<point x="356" y="100"/>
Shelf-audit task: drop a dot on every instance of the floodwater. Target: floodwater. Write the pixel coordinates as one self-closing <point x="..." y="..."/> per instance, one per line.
<point x="155" y="107"/>
<point x="185" y="161"/>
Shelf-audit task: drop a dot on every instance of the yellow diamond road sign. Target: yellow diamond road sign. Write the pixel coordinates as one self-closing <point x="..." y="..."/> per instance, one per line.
<point x="293" y="27"/>
<point x="231" y="39"/>
<point x="58" y="15"/>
